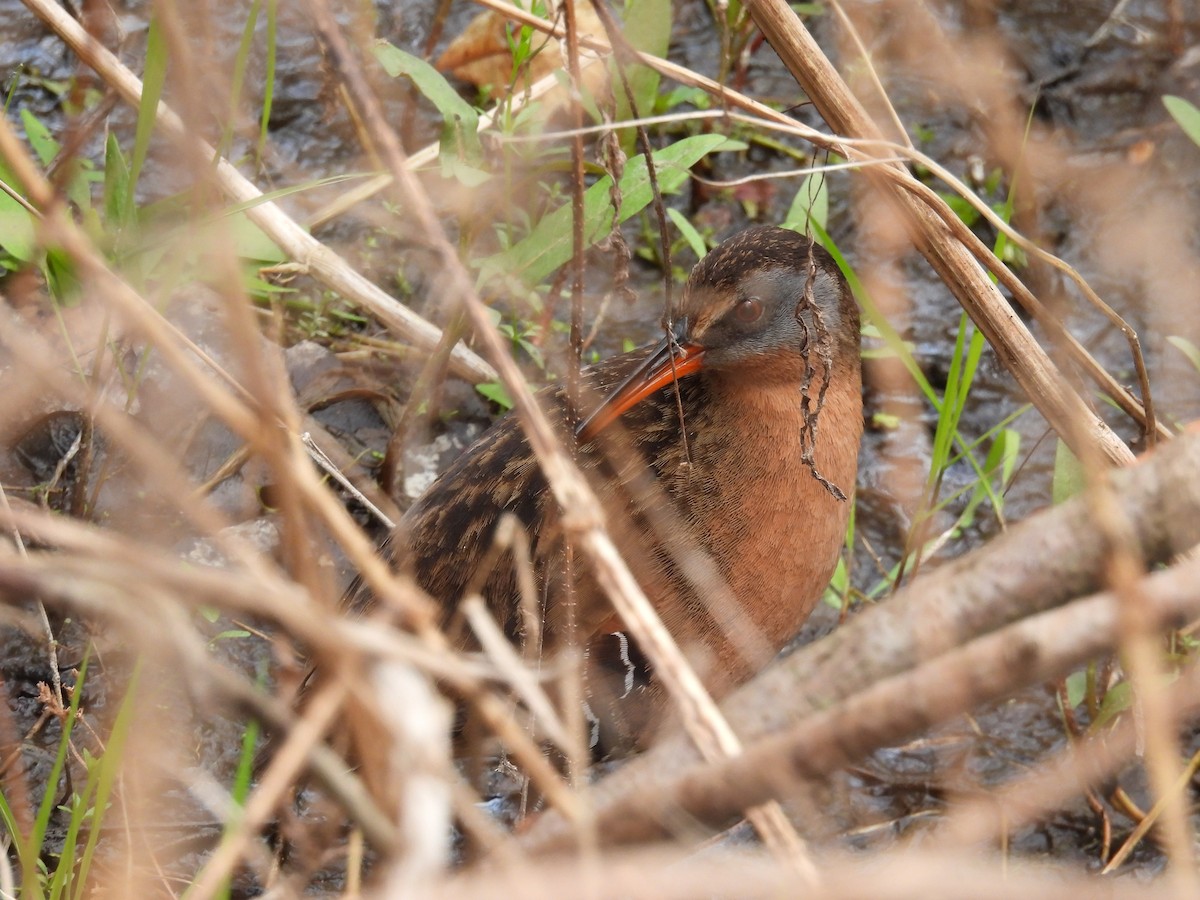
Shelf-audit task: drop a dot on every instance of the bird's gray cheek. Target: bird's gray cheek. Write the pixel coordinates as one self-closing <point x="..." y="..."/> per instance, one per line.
<point x="827" y="297"/>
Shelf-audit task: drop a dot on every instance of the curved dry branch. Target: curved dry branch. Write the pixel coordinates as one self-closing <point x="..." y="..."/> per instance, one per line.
<point x="1042" y="647"/>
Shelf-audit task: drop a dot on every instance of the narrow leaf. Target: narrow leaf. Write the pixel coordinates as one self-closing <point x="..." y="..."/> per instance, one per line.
<point x="548" y="246"/>
<point x="689" y="232"/>
<point x="1186" y="114"/>
<point x="1068" y="474"/>
<point x="153" y="78"/>
<point x="460" y="122"/>
<point x="811" y="204"/>
<point x="1187" y="348"/>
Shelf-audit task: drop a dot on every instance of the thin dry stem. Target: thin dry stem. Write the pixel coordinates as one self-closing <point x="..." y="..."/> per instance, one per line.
<point x="1033" y="650"/>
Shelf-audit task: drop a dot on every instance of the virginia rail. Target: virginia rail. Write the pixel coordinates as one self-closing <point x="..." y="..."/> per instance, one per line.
<point x="727" y="500"/>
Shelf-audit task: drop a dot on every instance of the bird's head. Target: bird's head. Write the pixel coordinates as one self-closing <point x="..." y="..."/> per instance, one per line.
<point x="768" y="304"/>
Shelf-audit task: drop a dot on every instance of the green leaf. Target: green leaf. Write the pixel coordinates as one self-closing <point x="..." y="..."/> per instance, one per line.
<point x="59" y="270"/>
<point x="497" y="393"/>
<point x="465" y="174"/>
<point x="108" y="770"/>
<point x="461" y="152"/>
<point x="681" y="95"/>
<point x="34" y="840"/>
<point x="1186" y="114"/>
<point x="961" y="207"/>
<point x="117" y="208"/>
<point x="968" y="348"/>
<point x="229" y="633"/>
<point x="251" y="241"/>
<point x="268" y="84"/>
<point x="548" y="246"/>
<point x="839" y="584"/>
<point x="240" y="60"/>
<point x="648" y="26"/>
<point x="17" y="230"/>
<point x="45" y="147"/>
<point x="998" y="468"/>
<point x="1118" y="699"/>
<point x="259" y="287"/>
<point x="1069" y="477"/>
<point x="892" y="342"/>
<point x="1076" y="688"/>
<point x="154" y="76"/>
<point x="82" y="173"/>
<point x="689" y="232"/>
<point x="811" y="204"/>
<point x="1187" y="348"/>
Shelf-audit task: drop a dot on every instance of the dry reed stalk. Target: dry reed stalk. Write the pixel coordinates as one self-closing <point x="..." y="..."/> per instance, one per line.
<point x="954" y="263"/>
<point x="1075" y="423"/>
<point x="666" y="873"/>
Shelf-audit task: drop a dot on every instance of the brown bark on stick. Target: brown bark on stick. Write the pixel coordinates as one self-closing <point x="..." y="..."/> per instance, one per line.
<point x="1037" y="649"/>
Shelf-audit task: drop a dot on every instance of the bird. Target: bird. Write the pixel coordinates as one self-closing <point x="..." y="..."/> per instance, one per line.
<point x="723" y="457"/>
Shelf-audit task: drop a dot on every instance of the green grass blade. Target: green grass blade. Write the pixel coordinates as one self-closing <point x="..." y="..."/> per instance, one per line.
<point x="153" y="78"/>
<point x="693" y="237"/>
<point x="240" y="61"/>
<point x="1186" y="114"/>
<point x="105" y="777"/>
<point x="998" y="467"/>
<point x="241" y="783"/>
<point x="117" y="186"/>
<point x="951" y="407"/>
<point x="33" y="847"/>
<point x="1187" y="348"/>
<point x="810" y="205"/>
<point x="9" y="820"/>
<point x="887" y="333"/>
<point x="79" y="810"/>
<point x="268" y="77"/>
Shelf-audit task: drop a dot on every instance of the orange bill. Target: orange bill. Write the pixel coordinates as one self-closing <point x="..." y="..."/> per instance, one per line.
<point x="659" y="369"/>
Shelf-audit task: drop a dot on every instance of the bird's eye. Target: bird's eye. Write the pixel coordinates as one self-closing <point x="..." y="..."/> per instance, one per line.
<point x="748" y="311"/>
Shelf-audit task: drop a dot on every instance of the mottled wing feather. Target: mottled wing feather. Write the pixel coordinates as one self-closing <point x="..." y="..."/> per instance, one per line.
<point x="448" y="532"/>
